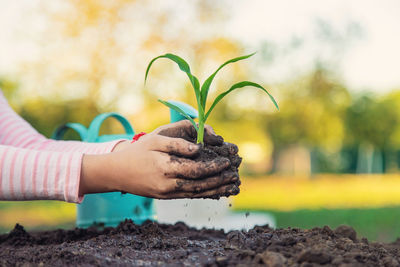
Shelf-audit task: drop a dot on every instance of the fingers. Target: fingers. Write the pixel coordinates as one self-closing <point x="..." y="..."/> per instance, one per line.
<point x="184" y="129"/>
<point x="232" y="148"/>
<point x="181" y="129"/>
<point x="223" y="191"/>
<point x="189" y="129"/>
<point x="175" y="146"/>
<point x="186" y="168"/>
<point x="211" y="138"/>
<point x="197" y="186"/>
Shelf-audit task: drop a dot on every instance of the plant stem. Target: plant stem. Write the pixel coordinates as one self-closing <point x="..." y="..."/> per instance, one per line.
<point x="200" y="132"/>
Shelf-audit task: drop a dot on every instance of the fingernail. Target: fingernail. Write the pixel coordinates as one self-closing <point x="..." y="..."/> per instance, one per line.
<point x="233" y="176"/>
<point x="223" y="161"/>
<point x="234" y="190"/>
<point x="193" y="147"/>
<point x="233" y="149"/>
<point x="226" y="174"/>
<point x="209" y="128"/>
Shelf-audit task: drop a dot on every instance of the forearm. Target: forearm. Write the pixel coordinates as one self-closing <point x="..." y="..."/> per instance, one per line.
<point x="97" y="174"/>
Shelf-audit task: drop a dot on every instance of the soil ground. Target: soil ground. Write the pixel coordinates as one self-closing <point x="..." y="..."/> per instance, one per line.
<point x="153" y="244"/>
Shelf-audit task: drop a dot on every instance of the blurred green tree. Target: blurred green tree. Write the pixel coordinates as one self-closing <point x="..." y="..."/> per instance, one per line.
<point x="311" y="114"/>
<point x="372" y="125"/>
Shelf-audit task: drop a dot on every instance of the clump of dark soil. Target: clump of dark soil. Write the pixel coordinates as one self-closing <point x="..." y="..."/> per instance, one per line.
<point x="228" y="151"/>
<point x="153" y="244"/>
<point x="214" y="148"/>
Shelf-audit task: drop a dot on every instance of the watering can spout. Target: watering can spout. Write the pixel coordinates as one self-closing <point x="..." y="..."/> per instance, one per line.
<point x="189" y="110"/>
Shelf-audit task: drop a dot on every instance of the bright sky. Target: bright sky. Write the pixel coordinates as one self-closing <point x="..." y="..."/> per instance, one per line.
<point x="371" y="62"/>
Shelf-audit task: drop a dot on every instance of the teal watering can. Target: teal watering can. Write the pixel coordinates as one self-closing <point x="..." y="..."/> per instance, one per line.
<point x="109" y="209"/>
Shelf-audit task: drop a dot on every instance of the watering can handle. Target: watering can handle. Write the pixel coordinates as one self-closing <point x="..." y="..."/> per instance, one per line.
<point x="94" y="128"/>
<point x="79" y="128"/>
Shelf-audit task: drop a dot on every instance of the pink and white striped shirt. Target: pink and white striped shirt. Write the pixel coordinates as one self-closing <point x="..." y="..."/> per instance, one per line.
<point x="34" y="167"/>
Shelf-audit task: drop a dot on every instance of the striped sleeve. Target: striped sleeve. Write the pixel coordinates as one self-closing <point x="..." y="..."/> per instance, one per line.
<point x="15" y="131"/>
<point x="27" y="174"/>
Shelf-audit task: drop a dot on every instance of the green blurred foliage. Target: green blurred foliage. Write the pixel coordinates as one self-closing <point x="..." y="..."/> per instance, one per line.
<point x="311" y="112"/>
<point x="46" y="115"/>
<point x="311" y="115"/>
<point x="9" y="88"/>
<point x="371" y="120"/>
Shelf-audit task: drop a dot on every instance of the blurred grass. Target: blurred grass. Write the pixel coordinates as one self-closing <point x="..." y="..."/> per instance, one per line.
<point x="320" y="191"/>
<point x="36" y="215"/>
<point x="379" y="224"/>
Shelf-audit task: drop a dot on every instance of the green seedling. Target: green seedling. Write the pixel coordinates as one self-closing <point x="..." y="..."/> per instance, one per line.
<point x="201" y="92"/>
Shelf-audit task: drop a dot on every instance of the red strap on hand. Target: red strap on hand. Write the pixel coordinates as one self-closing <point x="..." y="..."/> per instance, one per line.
<point x="137" y="136"/>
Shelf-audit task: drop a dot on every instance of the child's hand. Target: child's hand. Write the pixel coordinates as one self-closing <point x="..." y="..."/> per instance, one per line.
<point x="159" y="166"/>
<point x="184" y="129"/>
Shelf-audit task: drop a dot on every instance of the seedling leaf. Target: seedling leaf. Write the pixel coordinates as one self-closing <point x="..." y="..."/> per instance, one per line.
<point x="180" y="111"/>
<point x="207" y="83"/>
<point x="184" y="66"/>
<point x="202" y="93"/>
<point x="237" y="86"/>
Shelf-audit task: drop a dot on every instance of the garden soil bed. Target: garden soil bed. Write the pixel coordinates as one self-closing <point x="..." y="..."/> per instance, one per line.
<point x="153" y="244"/>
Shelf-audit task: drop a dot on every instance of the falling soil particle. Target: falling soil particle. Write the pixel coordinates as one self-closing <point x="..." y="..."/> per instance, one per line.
<point x="153" y="244"/>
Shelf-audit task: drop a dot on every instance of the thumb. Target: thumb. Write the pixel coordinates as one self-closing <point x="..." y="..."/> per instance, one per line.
<point x="176" y="146"/>
<point x="211" y="138"/>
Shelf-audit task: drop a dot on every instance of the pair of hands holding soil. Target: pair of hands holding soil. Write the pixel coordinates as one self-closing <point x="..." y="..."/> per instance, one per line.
<point x="164" y="164"/>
